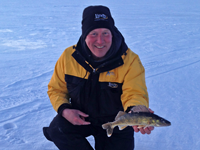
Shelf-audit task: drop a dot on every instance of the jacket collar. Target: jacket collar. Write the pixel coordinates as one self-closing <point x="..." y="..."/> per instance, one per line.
<point x="106" y="66"/>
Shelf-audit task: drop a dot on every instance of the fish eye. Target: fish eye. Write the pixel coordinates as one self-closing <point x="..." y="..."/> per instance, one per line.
<point x="163" y="120"/>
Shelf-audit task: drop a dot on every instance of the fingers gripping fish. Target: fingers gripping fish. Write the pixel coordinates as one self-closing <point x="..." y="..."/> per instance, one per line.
<point x="142" y="119"/>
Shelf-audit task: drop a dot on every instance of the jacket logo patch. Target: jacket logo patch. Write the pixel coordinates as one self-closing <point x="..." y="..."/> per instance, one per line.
<point x="110" y="73"/>
<point x="112" y="85"/>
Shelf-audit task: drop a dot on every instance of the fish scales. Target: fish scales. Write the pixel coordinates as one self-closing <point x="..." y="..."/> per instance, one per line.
<point x="142" y="119"/>
<point x="135" y="119"/>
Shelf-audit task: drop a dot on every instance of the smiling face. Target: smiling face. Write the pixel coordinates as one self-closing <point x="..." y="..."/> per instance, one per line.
<point x="99" y="42"/>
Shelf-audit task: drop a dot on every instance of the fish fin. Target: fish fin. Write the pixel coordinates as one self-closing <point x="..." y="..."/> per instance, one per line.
<point x="108" y="128"/>
<point x="120" y="113"/>
<point x="146" y="127"/>
<point x="141" y="126"/>
<point x="122" y="127"/>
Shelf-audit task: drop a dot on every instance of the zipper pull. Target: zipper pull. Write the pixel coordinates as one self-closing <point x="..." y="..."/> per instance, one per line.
<point x="94" y="70"/>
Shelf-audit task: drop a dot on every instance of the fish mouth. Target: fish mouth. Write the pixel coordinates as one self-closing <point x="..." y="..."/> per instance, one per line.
<point x="167" y="123"/>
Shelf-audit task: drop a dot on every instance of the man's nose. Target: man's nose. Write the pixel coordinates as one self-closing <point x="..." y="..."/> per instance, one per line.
<point x="100" y="39"/>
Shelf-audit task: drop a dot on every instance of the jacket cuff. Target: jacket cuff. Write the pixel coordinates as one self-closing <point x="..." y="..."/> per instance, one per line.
<point x="62" y="107"/>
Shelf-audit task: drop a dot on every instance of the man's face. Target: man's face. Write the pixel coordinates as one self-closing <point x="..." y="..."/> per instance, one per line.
<point x="99" y="42"/>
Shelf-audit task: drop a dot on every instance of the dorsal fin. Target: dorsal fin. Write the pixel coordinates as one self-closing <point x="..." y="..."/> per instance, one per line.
<point x="120" y="113"/>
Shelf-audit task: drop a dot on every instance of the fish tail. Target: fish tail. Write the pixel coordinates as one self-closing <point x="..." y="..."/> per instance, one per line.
<point x="108" y="128"/>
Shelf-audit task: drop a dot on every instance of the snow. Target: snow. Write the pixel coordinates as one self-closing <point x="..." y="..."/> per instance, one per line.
<point x="165" y="34"/>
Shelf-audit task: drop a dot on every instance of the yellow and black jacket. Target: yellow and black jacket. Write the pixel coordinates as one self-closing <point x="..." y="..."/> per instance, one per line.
<point x="100" y="92"/>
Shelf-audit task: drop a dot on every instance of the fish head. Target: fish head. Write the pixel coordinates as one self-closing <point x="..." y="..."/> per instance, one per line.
<point x="161" y="122"/>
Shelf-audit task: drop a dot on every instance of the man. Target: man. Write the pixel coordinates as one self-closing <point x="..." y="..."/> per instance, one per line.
<point x="91" y="83"/>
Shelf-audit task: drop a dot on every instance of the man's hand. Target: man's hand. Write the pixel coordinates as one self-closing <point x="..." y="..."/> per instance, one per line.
<point x="75" y="117"/>
<point x="141" y="108"/>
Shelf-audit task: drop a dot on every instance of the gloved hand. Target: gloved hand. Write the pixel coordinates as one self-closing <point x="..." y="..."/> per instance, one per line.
<point x="140" y="108"/>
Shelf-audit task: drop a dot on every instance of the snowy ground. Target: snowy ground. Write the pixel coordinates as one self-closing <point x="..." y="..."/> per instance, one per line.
<point x="165" y="34"/>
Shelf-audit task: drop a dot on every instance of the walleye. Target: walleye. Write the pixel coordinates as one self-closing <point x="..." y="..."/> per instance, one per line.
<point x="142" y="119"/>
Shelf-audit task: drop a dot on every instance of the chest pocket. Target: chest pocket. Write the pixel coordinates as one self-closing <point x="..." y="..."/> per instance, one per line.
<point x="110" y="97"/>
<point x="74" y="86"/>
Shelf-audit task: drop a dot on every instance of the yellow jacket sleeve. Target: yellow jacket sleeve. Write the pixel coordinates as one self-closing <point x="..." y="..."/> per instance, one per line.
<point x="134" y="86"/>
<point x="57" y="88"/>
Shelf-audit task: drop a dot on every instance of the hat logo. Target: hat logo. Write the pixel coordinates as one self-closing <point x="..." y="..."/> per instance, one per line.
<point x="99" y="17"/>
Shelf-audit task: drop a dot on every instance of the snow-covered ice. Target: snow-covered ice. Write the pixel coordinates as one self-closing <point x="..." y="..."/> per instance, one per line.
<point x="165" y="34"/>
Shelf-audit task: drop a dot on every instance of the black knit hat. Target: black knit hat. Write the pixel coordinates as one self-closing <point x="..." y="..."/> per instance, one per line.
<point x="96" y="17"/>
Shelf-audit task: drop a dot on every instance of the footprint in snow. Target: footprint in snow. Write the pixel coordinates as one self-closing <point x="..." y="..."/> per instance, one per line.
<point x="11" y="134"/>
<point x="9" y="126"/>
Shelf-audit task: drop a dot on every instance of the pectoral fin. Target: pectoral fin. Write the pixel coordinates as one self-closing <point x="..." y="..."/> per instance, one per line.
<point x="142" y="126"/>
